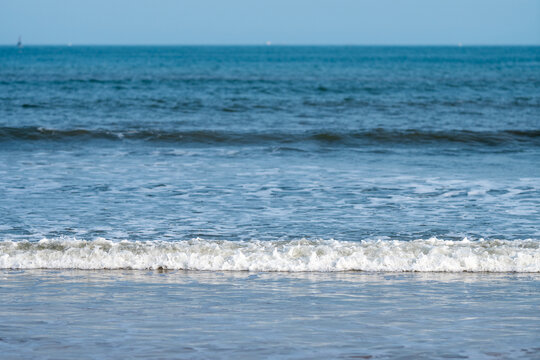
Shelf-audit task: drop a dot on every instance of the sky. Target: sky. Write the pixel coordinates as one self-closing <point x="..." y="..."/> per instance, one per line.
<point x="288" y="22"/>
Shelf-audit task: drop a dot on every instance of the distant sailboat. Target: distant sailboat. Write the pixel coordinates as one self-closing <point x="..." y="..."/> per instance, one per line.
<point x="19" y="43"/>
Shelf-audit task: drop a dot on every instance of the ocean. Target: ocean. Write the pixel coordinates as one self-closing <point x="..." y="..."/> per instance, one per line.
<point x="298" y="202"/>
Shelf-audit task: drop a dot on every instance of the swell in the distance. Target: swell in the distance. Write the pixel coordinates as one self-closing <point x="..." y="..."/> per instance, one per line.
<point x="225" y="137"/>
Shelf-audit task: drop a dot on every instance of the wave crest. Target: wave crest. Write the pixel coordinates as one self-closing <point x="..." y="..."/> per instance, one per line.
<point x="423" y="255"/>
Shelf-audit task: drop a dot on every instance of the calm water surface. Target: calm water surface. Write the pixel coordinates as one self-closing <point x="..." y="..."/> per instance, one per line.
<point x="208" y="315"/>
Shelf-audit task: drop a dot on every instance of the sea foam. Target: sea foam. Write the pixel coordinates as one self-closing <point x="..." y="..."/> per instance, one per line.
<point x="423" y="255"/>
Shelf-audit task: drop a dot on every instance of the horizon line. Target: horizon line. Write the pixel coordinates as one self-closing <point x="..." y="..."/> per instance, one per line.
<point x="265" y="44"/>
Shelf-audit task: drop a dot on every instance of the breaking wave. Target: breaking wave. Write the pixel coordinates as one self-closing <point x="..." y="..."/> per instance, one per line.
<point x="423" y="255"/>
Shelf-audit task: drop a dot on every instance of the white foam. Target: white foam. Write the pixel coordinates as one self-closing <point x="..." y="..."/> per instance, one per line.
<point x="297" y="255"/>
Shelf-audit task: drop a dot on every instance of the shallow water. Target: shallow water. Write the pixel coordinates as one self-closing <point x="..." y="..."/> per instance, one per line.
<point x="206" y="315"/>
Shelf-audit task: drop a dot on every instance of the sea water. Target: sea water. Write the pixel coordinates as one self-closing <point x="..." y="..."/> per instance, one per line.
<point x="278" y="202"/>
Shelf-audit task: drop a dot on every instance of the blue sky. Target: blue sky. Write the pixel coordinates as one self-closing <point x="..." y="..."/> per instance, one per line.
<point x="367" y="22"/>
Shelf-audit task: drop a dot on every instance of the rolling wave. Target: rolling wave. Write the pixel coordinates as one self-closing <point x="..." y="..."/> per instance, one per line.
<point x="329" y="137"/>
<point x="423" y="255"/>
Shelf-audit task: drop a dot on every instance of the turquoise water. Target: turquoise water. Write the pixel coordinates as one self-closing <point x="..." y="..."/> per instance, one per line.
<point x="289" y="202"/>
